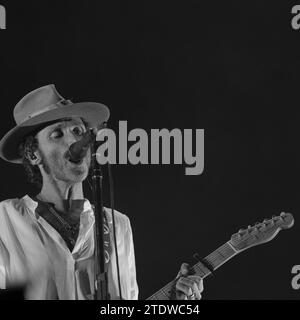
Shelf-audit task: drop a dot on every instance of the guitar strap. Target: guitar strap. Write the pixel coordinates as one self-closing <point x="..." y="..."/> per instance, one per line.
<point x="52" y="216"/>
<point x="106" y="238"/>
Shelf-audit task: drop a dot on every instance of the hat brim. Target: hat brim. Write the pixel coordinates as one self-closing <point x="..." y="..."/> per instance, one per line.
<point x="92" y="112"/>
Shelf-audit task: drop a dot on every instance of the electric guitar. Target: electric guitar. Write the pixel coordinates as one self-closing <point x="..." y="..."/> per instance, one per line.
<point x="244" y="239"/>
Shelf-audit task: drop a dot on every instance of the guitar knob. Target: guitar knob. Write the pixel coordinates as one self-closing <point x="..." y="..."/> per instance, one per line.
<point x="282" y="214"/>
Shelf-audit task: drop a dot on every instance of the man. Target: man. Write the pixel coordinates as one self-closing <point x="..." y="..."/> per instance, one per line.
<point x="47" y="241"/>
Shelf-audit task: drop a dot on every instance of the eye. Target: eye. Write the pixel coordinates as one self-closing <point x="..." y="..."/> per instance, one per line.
<point x="56" y="134"/>
<point x="78" y="131"/>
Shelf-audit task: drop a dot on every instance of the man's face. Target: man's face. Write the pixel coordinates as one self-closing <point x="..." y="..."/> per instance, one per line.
<point x="54" y="142"/>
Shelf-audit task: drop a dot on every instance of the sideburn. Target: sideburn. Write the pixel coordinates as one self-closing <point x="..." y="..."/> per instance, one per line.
<point x="44" y="162"/>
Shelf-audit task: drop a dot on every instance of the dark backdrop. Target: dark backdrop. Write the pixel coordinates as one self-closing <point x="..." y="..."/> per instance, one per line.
<point x="230" y="68"/>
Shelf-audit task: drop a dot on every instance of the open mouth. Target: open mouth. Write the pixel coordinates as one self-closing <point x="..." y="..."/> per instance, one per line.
<point x="74" y="161"/>
<point x="77" y="162"/>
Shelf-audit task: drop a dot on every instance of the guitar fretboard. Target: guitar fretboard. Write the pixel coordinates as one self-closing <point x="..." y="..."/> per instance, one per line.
<point x="202" y="269"/>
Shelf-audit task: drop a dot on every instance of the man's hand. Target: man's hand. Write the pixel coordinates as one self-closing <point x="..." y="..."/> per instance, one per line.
<point x="188" y="287"/>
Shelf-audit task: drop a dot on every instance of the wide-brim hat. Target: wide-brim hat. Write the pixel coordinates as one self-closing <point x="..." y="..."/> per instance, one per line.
<point x="41" y="107"/>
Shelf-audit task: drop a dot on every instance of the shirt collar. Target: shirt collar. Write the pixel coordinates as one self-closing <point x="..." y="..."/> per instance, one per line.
<point x="32" y="204"/>
<point x="87" y="207"/>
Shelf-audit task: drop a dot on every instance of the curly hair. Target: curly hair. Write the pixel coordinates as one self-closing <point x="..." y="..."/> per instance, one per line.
<point x="26" y="148"/>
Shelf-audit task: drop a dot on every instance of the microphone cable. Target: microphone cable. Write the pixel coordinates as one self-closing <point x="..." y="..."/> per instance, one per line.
<point x="112" y="206"/>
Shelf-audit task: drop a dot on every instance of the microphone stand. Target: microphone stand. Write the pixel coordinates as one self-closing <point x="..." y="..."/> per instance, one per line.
<point x="101" y="280"/>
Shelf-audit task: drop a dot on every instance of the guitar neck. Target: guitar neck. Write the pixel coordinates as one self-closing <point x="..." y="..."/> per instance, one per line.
<point x="203" y="269"/>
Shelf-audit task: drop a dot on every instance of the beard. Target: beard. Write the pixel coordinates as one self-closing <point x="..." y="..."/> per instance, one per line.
<point x="59" y="168"/>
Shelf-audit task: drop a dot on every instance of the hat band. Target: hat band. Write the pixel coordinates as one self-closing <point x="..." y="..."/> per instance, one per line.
<point x="61" y="103"/>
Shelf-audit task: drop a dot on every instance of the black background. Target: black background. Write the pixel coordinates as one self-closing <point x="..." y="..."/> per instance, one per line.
<point x="229" y="67"/>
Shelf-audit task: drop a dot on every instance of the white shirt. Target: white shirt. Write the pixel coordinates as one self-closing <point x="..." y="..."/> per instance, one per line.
<point x="32" y="252"/>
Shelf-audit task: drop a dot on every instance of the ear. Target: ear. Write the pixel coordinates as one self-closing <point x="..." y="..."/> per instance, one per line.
<point x="33" y="157"/>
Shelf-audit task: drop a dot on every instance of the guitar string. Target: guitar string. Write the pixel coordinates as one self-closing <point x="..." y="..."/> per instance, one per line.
<point x="225" y="251"/>
<point x="213" y="257"/>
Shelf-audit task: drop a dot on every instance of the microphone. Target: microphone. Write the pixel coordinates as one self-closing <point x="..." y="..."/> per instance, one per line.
<point x="78" y="150"/>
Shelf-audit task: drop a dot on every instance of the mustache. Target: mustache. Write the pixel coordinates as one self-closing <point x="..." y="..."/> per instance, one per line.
<point x="87" y="154"/>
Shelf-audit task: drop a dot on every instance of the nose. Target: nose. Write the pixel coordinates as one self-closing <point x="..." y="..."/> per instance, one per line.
<point x="71" y="138"/>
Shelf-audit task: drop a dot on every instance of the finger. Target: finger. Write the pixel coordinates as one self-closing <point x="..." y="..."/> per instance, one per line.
<point x="190" y="285"/>
<point x="184" y="269"/>
<point x="185" y="286"/>
<point x="188" y="293"/>
<point x="185" y="292"/>
<point x="181" y="296"/>
<point x="196" y="292"/>
<point x="190" y="280"/>
<point x="198" y="280"/>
